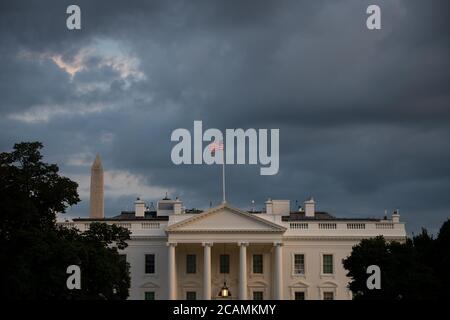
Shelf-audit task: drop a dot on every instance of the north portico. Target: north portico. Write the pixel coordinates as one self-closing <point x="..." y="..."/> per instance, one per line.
<point x="227" y="230"/>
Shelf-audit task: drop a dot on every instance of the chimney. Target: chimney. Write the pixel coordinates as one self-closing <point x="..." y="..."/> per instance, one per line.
<point x="310" y="207"/>
<point x="269" y="206"/>
<point x="139" y="208"/>
<point x="96" y="199"/>
<point x="396" y="216"/>
<point x="177" y="206"/>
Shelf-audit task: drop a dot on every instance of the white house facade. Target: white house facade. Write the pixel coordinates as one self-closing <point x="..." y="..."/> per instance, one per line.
<point x="176" y="253"/>
<point x="274" y="254"/>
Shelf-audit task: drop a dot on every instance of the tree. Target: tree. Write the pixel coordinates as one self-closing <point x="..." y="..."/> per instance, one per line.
<point x="34" y="252"/>
<point x="441" y="261"/>
<point x="407" y="269"/>
<point x="31" y="191"/>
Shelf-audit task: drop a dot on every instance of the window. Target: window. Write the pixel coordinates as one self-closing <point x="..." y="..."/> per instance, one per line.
<point x="149" y="263"/>
<point x="299" y="295"/>
<point x="328" y="295"/>
<point x="299" y="264"/>
<point x="191" y="295"/>
<point x="327" y="264"/>
<point x="149" y="295"/>
<point x="258" y="295"/>
<point x="257" y="263"/>
<point x="224" y="263"/>
<point x="191" y="263"/>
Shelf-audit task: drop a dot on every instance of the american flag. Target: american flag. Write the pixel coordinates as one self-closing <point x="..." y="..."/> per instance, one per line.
<point x="214" y="146"/>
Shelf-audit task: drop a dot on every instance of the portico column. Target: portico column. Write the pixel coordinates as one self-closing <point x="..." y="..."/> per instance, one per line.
<point x="278" y="271"/>
<point x="243" y="270"/>
<point x="207" y="270"/>
<point x="172" y="271"/>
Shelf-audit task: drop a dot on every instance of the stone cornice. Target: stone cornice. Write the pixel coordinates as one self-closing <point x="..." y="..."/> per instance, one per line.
<point x="351" y="238"/>
<point x="284" y="238"/>
<point x="224" y="231"/>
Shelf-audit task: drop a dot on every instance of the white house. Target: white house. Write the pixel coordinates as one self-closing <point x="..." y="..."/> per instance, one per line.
<point x="176" y="253"/>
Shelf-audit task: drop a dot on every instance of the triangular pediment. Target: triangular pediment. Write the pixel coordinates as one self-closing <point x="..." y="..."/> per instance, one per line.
<point x="225" y="218"/>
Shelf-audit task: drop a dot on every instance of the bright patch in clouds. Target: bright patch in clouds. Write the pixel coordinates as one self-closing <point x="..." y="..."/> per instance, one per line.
<point x="105" y="53"/>
<point x="119" y="183"/>
<point x="73" y="66"/>
<point x="44" y="113"/>
<point x="92" y="69"/>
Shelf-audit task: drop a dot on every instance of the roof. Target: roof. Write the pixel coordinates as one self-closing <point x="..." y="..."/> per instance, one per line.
<point x="294" y="216"/>
<point x="321" y="216"/>
<point x="193" y="211"/>
<point x="129" y="216"/>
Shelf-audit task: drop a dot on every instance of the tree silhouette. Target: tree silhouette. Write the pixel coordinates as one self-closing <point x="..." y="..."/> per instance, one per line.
<point x="414" y="270"/>
<point x="34" y="252"/>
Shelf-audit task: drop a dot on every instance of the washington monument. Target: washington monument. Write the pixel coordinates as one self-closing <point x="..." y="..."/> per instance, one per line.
<point x="96" y="201"/>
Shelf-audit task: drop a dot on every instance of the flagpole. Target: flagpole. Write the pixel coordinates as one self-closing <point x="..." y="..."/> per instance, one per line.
<point x="223" y="175"/>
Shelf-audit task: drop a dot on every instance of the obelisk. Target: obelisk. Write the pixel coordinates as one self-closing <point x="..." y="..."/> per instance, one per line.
<point x="96" y="201"/>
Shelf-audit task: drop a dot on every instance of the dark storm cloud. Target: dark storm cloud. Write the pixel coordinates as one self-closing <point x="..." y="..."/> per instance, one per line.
<point x="364" y="116"/>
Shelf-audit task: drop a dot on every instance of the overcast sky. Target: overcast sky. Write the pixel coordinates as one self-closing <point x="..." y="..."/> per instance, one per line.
<point x="364" y="116"/>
